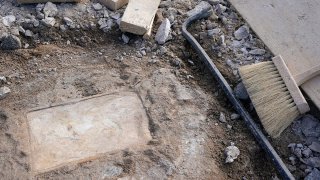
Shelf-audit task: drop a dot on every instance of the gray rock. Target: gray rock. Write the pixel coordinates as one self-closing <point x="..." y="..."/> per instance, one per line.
<point x="222" y="117"/>
<point x="221" y="8"/>
<point x="68" y="21"/>
<point x="28" y="33"/>
<point x="97" y="6"/>
<point x="242" y="32"/>
<point x="292" y="160"/>
<point x="315" y="146"/>
<point x="232" y="152"/>
<point x="234" y="116"/>
<point x="8" y="20"/>
<point x="313" y="175"/>
<point x="50" y="10"/>
<point x="39" y="7"/>
<point x="241" y="92"/>
<point x="202" y="6"/>
<point x="292" y="146"/>
<point x="213" y="2"/>
<point x="49" y="21"/>
<point x="310" y="126"/>
<point x="125" y="38"/>
<point x="213" y="32"/>
<point x="163" y="32"/>
<point x="313" y="162"/>
<point x="297" y="152"/>
<point x="4" y="91"/>
<point x="257" y="52"/>
<point x="3" y="80"/>
<point x="10" y="42"/>
<point x="307" y="152"/>
<point x="115" y="16"/>
<point x="112" y="171"/>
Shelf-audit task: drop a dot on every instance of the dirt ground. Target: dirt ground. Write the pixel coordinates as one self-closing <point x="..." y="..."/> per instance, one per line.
<point x="182" y="100"/>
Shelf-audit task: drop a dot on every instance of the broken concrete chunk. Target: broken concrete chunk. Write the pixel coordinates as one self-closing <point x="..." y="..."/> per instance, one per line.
<point x="97" y="6"/>
<point x="50" y="10"/>
<point x="49" y="21"/>
<point x="241" y="92"/>
<point x="139" y="15"/>
<point x="114" y="4"/>
<point x="222" y="118"/>
<point x="315" y="146"/>
<point x="163" y="32"/>
<point x="4" y="91"/>
<point x="8" y="20"/>
<point x="10" y="42"/>
<point x="242" y="32"/>
<point x="202" y="6"/>
<point x="314" y="175"/>
<point x="232" y="152"/>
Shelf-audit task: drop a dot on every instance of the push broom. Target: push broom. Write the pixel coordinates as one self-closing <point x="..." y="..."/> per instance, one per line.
<point x="275" y="94"/>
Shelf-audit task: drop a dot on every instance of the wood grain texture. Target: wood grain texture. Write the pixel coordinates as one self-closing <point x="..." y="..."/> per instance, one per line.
<point x="138" y="17"/>
<point x="290" y="28"/>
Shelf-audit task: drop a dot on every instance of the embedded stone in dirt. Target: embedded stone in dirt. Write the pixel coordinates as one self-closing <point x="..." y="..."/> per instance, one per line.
<point x="85" y="129"/>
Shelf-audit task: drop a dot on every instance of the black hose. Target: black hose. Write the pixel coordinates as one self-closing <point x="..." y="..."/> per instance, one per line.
<point x="262" y="140"/>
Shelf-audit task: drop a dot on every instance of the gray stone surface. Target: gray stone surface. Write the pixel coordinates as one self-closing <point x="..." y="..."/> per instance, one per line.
<point x="313" y="175"/>
<point x="10" y="42"/>
<point x="4" y="91"/>
<point x="242" y="32"/>
<point x="163" y="32"/>
<point x="50" y="10"/>
<point x="241" y="92"/>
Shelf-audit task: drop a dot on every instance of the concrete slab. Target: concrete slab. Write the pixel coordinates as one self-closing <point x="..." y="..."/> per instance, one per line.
<point x="85" y="129"/>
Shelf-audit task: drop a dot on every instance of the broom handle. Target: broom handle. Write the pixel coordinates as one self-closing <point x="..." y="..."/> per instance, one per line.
<point x="305" y="76"/>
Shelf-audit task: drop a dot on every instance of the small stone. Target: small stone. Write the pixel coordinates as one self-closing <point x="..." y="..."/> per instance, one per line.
<point x="213" y="32"/>
<point x="232" y="152"/>
<point x="50" y="10"/>
<point x="242" y="32"/>
<point x="310" y="126"/>
<point x="4" y="91"/>
<point x="307" y="152"/>
<point x="143" y="52"/>
<point x="292" y="168"/>
<point x="299" y="145"/>
<point x="315" y="146"/>
<point x="39" y="7"/>
<point x="221" y="8"/>
<point x="292" y="159"/>
<point x="163" y="32"/>
<point x="313" y="162"/>
<point x="139" y="55"/>
<point x="292" y="146"/>
<point x="3" y="80"/>
<point x="313" y="175"/>
<point x="222" y="118"/>
<point x="10" y="42"/>
<point x="297" y="152"/>
<point x="49" y="21"/>
<point x="241" y="92"/>
<point x="203" y="5"/>
<point x="28" y="33"/>
<point x="68" y="21"/>
<point x="125" y="38"/>
<point x="234" y="116"/>
<point x="115" y="16"/>
<point x="97" y="6"/>
<point x="63" y="27"/>
<point x="8" y="20"/>
<point x="257" y="52"/>
<point x="229" y="126"/>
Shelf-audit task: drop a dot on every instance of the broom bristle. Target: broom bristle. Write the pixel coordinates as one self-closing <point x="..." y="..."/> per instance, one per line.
<point x="270" y="96"/>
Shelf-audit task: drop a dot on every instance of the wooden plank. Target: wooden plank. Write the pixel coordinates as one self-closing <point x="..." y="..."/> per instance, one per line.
<point x="139" y="15"/>
<point x="114" y="4"/>
<point x="44" y="1"/>
<point x="290" y="28"/>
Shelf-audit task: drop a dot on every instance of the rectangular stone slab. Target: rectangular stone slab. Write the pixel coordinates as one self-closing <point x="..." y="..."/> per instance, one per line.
<point x="86" y="129"/>
<point x="139" y="16"/>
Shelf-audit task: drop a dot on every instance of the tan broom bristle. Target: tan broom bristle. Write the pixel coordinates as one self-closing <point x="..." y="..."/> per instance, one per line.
<point x="270" y="96"/>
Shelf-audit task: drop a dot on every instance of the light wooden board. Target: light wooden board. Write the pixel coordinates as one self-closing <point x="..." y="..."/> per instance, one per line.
<point x="139" y="15"/>
<point x="290" y="28"/>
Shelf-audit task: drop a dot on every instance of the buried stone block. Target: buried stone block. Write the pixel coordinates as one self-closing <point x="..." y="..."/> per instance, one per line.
<point x="85" y="129"/>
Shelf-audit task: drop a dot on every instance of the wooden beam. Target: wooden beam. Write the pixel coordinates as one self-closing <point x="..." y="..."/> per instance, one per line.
<point x="139" y="15"/>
